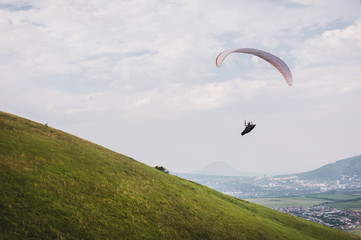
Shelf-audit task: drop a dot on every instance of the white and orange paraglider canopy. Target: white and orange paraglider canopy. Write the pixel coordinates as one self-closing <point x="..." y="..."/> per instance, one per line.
<point x="272" y="59"/>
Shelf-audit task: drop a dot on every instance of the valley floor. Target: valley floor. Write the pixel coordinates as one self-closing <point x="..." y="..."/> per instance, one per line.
<point x="337" y="210"/>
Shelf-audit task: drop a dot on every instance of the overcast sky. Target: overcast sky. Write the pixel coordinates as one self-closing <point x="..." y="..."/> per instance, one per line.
<point x="139" y="77"/>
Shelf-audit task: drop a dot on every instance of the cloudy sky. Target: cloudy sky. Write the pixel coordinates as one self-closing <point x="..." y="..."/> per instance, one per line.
<point x="139" y="77"/>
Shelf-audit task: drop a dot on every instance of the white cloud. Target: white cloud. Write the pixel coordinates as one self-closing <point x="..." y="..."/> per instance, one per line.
<point x="329" y="61"/>
<point x="81" y="63"/>
<point x="333" y="46"/>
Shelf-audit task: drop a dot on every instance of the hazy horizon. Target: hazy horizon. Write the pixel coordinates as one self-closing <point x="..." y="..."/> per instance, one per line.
<point x="223" y="167"/>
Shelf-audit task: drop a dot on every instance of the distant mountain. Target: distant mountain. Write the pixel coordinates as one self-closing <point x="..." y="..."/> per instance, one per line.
<point x="221" y="169"/>
<point x="350" y="167"/>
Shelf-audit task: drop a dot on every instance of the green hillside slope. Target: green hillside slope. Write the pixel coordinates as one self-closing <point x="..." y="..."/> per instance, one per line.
<point x="350" y="166"/>
<point x="57" y="186"/>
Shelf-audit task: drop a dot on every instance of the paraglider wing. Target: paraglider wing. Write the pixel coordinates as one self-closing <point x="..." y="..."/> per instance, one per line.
<point x="248" y="128"/>
<point x="272" y="59"/>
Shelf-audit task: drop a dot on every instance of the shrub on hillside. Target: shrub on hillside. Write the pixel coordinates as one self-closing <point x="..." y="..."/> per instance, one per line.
<point x="161" y="168"/>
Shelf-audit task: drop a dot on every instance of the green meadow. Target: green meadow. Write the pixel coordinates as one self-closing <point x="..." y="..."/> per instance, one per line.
<point x="340" y="200"/>
<point x="58" y="186"/>
<point x="301" y="201"/>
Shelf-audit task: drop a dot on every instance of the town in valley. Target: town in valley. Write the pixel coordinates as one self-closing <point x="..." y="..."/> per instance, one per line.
<point x="345" y="191"/>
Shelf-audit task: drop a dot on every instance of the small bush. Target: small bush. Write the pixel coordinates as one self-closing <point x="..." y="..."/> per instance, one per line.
<point x="161" y="168"/>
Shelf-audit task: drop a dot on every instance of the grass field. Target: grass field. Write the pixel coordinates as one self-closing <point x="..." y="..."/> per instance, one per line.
<point x="337" y="196"/>
<point x="340" y="200"/>
<point x="287" y="202"/>
<point x="349" y="205"/>
<point x="57" y="186"/>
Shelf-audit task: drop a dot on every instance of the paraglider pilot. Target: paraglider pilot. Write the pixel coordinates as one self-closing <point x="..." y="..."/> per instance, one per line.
<point x="247" y="124"/>
<point x="249" y="127"/>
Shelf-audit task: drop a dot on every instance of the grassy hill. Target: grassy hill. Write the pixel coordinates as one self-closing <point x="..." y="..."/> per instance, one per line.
<point x="350" y="166"/>
<point x="57" y="186"/>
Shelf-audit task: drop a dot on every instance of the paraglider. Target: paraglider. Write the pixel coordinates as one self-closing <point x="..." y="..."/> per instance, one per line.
<point x="272" y="59"/>
<point x="249" y="127"/>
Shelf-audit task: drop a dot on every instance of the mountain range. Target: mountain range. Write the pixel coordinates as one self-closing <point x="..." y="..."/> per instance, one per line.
<point x="58" y="186"/>
<point x="347" y="167"/>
